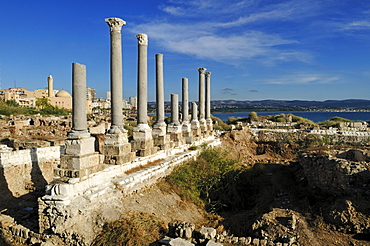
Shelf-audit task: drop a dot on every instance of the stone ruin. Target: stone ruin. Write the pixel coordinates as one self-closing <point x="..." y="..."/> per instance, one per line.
<point x="80" y="184"/>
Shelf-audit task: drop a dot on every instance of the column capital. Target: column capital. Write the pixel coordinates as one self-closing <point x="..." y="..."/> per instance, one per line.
<point x="115" y="24"/>
<point x="142" y="38"/>
<point x="202" y="70"/>
<point x="208" y="73"/>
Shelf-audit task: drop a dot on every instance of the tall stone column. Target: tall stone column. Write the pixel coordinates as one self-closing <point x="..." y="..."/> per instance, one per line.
<point x="159" y="131"/>
<point x="186" y="126"/>
<point x="80" y="158"/>
<point x="185" y="101"/>
<point x="208" y="102"/>
<point x="142" y="80"/>
<point x="195" y="126"/>
<point x="159" y="128"/>
<point x="79" y="119"/>
<point x="142" y="133"/>
<point x="202" y="120"/>
<point x="115" y="25"/>
<point x="201" y="93"/>
<point x="117" y="149"/>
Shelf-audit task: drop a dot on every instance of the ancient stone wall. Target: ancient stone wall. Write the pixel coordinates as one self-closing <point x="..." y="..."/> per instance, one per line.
<point x="25" y="171"/>
<point x="76" y="211"/>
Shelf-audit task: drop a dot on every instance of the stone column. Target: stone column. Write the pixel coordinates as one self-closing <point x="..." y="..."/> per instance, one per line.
<point x="142" y="134"/>
<point x="202" y="120"/>
<point x="159" y="128"/>
<point x="142" y="79"/>
<point x="186" y="126"/>
<point x="175" y="109"/>
<point x="117" y="149"/>
<point x="208" y="102"/>
<point x="79" y="119"/>
<point x="115" y="25"/>
<point x="174" y="128"/>
<point x="195" y="126"/>
<point x="159" y="131"/>
<point x="80" y="158"/>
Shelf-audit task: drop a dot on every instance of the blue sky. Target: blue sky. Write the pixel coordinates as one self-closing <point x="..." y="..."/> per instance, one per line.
<point x="255" y="49"/>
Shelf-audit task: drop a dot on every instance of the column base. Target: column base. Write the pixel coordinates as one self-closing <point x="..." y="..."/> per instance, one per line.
<point x="117" y="149"/>
<point x="159" y="130"/>
<point x="162" y="142"/>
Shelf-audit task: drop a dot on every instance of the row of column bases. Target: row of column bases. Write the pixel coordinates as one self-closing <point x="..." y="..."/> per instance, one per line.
<point x="81" y="159"/>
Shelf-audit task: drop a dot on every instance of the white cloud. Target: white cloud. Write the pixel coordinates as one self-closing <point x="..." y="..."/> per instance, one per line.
<point x="208" y="44"/>
<point x="172" y="10"/>
<point x="300" y="79"/>
<point x="357" y="25"/>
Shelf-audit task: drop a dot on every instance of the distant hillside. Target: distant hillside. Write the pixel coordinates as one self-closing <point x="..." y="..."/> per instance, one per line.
<point x="284" y="105"/>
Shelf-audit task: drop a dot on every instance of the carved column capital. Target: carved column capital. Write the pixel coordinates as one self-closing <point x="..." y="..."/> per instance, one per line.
<point x="208" y="73"/>
<point x="142" y="38"/>
<point x="115" y="24"/>
<point x="202" y="70"/>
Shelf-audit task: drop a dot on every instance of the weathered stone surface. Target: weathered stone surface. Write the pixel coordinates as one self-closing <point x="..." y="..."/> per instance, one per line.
<point x="80" y="146"/>
<point x="180" y="242"/>
<point x="208" y="232"/>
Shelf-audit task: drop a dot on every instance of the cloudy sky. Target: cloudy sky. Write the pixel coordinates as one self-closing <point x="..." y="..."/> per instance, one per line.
<point x="255" y="49"/>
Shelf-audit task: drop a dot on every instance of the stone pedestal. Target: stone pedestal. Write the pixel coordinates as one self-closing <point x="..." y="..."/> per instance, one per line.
<point x="195" y="129"/>
<point x="175" y="132"/>
<point x="160" y="137"/>
<point x="80" y="159"/>
<point x="142" y="142"/>
<point x="117" y="149"/>
<point x="187" y="132"/>
<point x="203" y="128"/>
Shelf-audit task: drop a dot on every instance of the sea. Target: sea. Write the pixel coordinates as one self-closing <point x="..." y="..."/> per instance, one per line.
<point x="314" y="116"/>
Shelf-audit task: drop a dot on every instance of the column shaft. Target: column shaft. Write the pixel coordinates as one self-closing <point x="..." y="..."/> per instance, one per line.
<point x="116" y="79"/>
<point x="175" y="109"/>
<point x="115" y="25"/>
<point x="159" y="89"/>
<point x="208" y="95"/>
<point x="194" y="111"/>
<point x="142" y="76"/>
<point x="201" y="94"/>
<point x="185" y="100"/>
<point x="79" y="121"/>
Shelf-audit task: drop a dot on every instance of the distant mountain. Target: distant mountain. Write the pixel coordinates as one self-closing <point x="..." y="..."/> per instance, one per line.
<point x="286" y="105"/>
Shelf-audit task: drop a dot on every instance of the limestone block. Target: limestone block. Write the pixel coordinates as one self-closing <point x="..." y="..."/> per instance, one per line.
<point x="159" y="130"/>
<point x="172" y="128"/>
<point x="147" y="152"/>
<point x="120" y="159"/>
<point x="135" y="144"/>
<point x="189" y="140"/>
<point x="142" y="132"/>
<point x="186" y="128"/>
<point x="116" y="138"/>
<point x="80" y="146"/>
<point x="79" y="162"/>
<point x="117" y="149"/>
<point x="99" y="129"/>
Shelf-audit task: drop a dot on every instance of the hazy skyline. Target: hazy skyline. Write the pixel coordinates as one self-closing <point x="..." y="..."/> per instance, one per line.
<point x="256" y="50"/>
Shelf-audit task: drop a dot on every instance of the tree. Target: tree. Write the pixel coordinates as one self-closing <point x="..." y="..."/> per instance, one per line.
<point x="43" y="102"/>
<point x="12" y="103"/>
<point x="253" y="117"/>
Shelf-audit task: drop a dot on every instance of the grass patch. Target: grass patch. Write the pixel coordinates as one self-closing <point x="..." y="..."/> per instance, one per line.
<point x="133" y="229"/>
